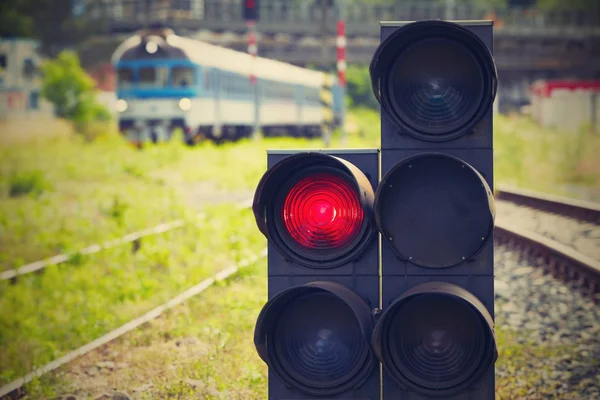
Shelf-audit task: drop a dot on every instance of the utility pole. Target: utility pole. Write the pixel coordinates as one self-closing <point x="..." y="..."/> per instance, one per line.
<point x="325" y="4"/>
<point x="450" y="5"/>
<point x="341" y="66"/>
<point x="253" y="50"/>
<point x="251" y="15"/>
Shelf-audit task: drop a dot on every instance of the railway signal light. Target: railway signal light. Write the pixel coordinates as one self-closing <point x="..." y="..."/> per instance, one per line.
<point x="314" y="332"/>
<point x="436" y="82"/>
<point x="434" y="208"/>
<point x="251" y="10"/>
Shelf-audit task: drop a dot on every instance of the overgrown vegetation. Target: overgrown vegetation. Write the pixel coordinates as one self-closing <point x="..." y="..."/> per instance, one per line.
<point x="28" y="182"/>
<point x="104" y="189"/>
<point x="529" y="156"/>
<point x="80" y="301"/>
<point x="79" y="193"/>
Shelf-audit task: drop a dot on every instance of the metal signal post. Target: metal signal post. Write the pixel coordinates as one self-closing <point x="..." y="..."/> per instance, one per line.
<point x="341" y="68"/>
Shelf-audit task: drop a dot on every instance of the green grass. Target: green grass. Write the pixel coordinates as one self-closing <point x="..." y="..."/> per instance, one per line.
<point x="42" y="317"/>
<point x="528" y="156"/>
<point x="29" y="182"/>
<point x="84" y="193"/>
<point x="523" y="369"/>
<point x="73" y="193"/>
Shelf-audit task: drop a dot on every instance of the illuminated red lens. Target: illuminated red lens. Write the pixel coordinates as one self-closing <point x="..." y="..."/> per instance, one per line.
<point x="323" y="211"/>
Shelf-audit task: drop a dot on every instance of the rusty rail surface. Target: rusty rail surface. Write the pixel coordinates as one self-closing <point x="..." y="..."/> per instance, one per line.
<point x="578" y="209"/>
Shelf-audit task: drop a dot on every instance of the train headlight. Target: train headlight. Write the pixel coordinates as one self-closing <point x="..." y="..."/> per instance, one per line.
<point x="185" y="104"/>
<point x="121" y="105"/>
<point x="151" y="47"/>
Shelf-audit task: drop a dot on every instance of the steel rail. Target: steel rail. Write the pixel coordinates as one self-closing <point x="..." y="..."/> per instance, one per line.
<point x="562" y="261"/>
<point x="578" y="209"/>
<point x="132" y="237"/>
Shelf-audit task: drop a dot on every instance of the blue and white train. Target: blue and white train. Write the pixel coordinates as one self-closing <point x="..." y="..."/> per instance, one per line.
<point x="166" y="81"/>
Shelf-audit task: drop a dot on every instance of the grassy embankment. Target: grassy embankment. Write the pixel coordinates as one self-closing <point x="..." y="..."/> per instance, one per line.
<point x="220" y="362"/>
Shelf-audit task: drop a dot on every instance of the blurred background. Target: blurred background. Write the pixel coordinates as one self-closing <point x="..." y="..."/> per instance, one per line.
<point x="76" y="170"/>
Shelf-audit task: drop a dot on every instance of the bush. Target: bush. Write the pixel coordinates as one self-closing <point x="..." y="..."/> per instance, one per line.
<point x="72" y="91"/>
<point x="359" y="87"/>
<point x="27" y="182"/>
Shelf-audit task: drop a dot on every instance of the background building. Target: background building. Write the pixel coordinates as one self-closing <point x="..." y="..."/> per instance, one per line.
<point x="20" y="81"/>
<point x="568" y="105"/>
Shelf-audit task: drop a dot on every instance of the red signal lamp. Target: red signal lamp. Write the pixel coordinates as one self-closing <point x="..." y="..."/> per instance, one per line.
<point x="323" y="211"/>
<point x="316" y="209"/>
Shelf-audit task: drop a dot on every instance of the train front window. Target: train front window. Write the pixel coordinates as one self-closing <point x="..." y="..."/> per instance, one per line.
<point x="125" y="76"/>
<point x="183" y="76"/>
<point x="153" y="76"/>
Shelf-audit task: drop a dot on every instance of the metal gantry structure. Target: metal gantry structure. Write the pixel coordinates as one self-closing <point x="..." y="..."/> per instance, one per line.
<point x="301" y="17"/>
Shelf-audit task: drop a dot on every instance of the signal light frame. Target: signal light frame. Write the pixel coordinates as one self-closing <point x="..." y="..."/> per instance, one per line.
<point x="381" y="338"/>
<point x="413" y="34"/>
<point x="280" y="179"/>
<point x="266" y="345"/>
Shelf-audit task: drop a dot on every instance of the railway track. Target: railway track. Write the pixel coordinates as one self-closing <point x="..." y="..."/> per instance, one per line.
<point x="14" y="390"/>
<point x="133" y="237"/>
<point x="561" y="260"/>
<point x="558" y="257"/>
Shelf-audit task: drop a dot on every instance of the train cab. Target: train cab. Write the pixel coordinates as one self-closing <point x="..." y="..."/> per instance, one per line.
<point x="157" y="87"/>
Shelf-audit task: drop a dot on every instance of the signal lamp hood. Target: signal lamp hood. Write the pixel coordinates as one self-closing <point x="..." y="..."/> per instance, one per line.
<point x="435" y="80"/>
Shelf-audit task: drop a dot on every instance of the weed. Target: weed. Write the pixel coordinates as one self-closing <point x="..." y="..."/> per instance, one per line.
<point x="117" y="210"/>
<point x="30" y="182"/>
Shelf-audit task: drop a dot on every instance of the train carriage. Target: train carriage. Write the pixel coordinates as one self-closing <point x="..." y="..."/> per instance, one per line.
<point x="166" y="81"/>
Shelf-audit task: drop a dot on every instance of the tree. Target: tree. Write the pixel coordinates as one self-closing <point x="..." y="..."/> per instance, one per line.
<point x="14" y="19"/>
<point x="71" y="90"/>
<point x="570" y="4"/>
<point x="52" y="22"/>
